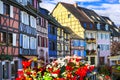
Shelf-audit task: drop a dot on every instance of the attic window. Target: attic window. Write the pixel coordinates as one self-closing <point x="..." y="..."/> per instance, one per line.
<point x="69" y="15"/>
<point x="106" y="26"/>
<point x="109" y="22"/>
<point x="98" y="18"/>
<point x="93" y="17"/>
<point x="116" y="29"/>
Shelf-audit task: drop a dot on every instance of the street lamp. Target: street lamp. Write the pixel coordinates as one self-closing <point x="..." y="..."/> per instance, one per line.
<point x="98" y="48"/>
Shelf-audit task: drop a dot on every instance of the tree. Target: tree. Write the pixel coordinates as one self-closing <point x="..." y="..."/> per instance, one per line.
<point x="115" y="47"/>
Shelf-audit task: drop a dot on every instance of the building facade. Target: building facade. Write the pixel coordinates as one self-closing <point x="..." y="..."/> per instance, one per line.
<point x="9" y="40"/>
<point x="28" y="32"/>
<point x="64" y="15"/>
<point x="17" y="33"/>
<point x="88" y="25"/>
<point x="42" y="37"/>
<point x="102" y="37"/>
<point x="52" y="35"/>
<point x="60" y="42"/>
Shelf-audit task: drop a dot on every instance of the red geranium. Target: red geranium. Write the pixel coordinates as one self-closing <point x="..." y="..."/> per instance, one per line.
<point x="69" y="68"/>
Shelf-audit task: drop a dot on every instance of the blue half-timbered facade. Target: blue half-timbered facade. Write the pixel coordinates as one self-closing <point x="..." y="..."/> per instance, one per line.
<point x="52" y="35"/>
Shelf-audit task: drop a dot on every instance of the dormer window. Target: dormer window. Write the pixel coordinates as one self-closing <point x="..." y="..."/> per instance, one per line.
<point x="106" y="27"/>
<point x="98" y="18"/>
<point x="69" y="15"/>
<point x="93" y="17"/>
<point x="98" y="26"/>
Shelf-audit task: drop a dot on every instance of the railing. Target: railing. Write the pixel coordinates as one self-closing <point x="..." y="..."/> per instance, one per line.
<point x="91" y="52"/>
<point x="90" y="40"/>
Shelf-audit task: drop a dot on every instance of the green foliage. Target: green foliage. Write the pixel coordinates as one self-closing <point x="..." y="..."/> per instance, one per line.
<point x="6" y="57"/>
<point x="118" y="68"/>
<point x="104" y="69"/>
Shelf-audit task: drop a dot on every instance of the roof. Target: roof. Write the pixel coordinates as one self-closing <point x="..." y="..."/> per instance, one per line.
<point x="76" y="12"/>
<point x="93" y="15"/>
<point x="113" y="28"/>
<point x="45" y="13"/>
<point x="83" y="15"/>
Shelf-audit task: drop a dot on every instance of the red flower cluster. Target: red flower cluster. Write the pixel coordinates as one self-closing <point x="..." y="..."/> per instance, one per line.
<point x="26" y="64"/>
<point x="73" y="69"/>
<point x="82" y="71"/>
<point x="69" y="68"/>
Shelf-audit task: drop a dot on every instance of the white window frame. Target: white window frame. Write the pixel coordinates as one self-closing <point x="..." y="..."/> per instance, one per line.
<point x="1" y="7"/>
<point x="14" y="39"/>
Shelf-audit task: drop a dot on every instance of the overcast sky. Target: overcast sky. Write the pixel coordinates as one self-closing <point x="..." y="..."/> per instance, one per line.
<point x="109" y="8"/>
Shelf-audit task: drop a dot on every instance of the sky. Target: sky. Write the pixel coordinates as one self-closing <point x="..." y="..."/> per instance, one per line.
<point x="109" y="8"/>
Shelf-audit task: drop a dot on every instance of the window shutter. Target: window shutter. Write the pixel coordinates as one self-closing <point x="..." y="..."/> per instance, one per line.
<point x="24" y="41"/>
<point x="11" y="11"/>
<point x="27" y="42"/>
<point x="22" y="16"/>
<point x="21" y="40"/>
<point x="32" y="43"/>
<point x="14" y="39"/>
<point x="27" y="19"/>
<point x="35" y="22"/>
<point x="31" y="21"/>
<point x="1" y="7"/>
<point x="35" y="42"/>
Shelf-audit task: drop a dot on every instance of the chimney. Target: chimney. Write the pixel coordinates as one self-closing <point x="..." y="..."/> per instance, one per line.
<point x="75" y="5"/>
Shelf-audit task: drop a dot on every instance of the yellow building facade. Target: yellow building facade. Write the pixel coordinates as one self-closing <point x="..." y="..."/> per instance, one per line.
<point x="66" y="18"/>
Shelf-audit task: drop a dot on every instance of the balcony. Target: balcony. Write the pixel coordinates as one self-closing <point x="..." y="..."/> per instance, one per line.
<point x="90" y="40"/>
<point x="91" y="52"/>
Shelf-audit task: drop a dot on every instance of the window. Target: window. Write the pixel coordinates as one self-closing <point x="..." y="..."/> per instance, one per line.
<point x="24" y="18"/>
<point x="92" y="59"/>
<point x="5" y="70"/>
<point x="52" y="30"/>
<point x="98" y="26"/>
<point x="32" y="40"/>
<point x="10" y="39"/>
<point x="6" y="9"/>
<point x="91" y="25"/>
<point x="32" y="21"/>
<point x="75" y="52"/>
<point x="76" y="43"/>
<point x="38" y="40"/>
<point x="102" y="60"/>
<point x="69" y="15"/>
<point x="102" y="35"/>
<point x="59" y="46"/>
<point x="52" y="45"/>
<point x="106" y="27"/>
<point x="107" y="47"/>
<point x="66" y="48"/>
<point x="2" y="37"/>
<point x="31" y="2"/>
<point x="14" y="39"/>
<point x="12" y="69"/>
<point x="85" y="25"/>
